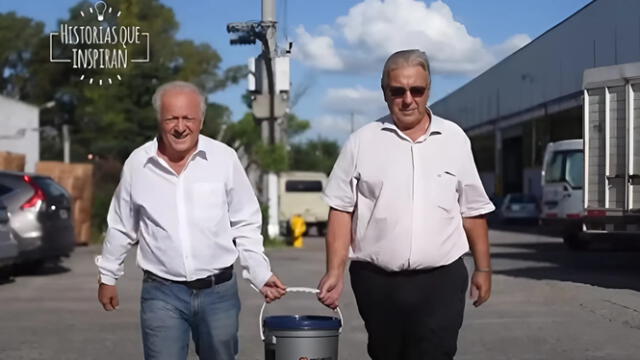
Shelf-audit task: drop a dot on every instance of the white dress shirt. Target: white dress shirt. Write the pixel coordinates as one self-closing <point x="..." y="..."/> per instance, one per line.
<point x="185" y="225"/>
<point x="407" y="198"/>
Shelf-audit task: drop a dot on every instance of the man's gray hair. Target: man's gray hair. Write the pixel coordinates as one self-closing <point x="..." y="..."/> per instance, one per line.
<point x="177" y="85"/>
<point x="404" y="58"/>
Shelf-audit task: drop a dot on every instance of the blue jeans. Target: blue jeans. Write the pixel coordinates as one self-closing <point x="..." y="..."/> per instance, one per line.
<point x="169" y="312"/>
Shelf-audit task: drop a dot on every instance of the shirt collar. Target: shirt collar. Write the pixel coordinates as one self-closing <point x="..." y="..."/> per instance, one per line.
<point x="152" y="149"/>
<point x="435" y="126"/>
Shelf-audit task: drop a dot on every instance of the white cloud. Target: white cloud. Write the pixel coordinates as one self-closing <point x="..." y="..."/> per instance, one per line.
<point x="357" y="100"/>
<point x="335" y="126"/>
<point x="373" y="29"/>
<point x="342" y="106"/>
<point x="317" y="51"/>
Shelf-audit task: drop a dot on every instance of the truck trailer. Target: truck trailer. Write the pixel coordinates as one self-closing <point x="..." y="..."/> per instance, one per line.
<point x="610" y="206"/>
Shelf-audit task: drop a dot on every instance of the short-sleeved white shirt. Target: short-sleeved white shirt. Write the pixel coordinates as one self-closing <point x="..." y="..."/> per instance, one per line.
<point x="408" y="198"/>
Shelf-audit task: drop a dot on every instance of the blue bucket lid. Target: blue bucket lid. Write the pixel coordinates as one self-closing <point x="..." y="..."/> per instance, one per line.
<point x="301" y="322"/>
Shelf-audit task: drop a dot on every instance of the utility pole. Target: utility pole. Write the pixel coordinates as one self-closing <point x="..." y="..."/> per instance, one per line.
<point x="352" y="122"/>
<point x="66" y="143"/>
<point x="269" y="85"/>
<point x="269" y="54"/>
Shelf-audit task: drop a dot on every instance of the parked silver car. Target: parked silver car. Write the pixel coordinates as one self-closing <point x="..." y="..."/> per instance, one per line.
<point x="518" y="207"/>
<point x="40" y="217"/>
<point x="8" y="245"/>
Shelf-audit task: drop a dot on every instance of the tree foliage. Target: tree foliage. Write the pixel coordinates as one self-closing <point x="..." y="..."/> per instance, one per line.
<point x="19" y="37"/>
<point x="310" y="155"/>
<point x="108" y="120"/>
<point x="314" y="155"/>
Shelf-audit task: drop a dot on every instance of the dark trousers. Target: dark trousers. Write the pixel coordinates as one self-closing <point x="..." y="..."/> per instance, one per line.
<point x="411" y="315"/>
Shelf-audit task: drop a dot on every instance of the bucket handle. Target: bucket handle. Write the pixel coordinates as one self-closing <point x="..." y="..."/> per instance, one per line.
<point x="302" y="290"/>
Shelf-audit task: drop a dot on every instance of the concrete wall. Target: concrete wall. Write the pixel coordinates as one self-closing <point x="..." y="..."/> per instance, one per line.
<point x="19" y="130"/>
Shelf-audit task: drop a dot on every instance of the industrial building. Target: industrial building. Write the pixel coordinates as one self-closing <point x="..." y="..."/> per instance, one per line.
<point x="534" y="96"/>
<point x="20" y="128"/>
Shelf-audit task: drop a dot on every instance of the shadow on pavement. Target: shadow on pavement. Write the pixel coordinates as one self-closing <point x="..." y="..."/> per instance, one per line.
<point x="614" y="266"/>
<point x="6" y="279"/>
<point x="523" y="227"/>
<point x="39" y="269"/>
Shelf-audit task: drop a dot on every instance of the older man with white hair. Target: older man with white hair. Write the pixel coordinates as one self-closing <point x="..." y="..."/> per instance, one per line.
<point x="186" y="201"/>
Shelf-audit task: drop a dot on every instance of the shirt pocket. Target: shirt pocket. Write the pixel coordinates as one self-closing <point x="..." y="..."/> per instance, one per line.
<point x="444" y="193"/>
<point x="370" y="188"/>
<point x="208" y="200"/>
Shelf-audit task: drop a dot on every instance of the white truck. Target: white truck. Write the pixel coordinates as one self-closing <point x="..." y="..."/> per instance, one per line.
<point x="300" y="193"/>
<point x="610" y="206"/>
<point x="562" y="190"/>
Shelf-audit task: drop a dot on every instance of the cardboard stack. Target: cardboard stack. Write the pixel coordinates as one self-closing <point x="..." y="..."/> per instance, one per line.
<point x="78" y="180"/>
<point x="12" y="161"/>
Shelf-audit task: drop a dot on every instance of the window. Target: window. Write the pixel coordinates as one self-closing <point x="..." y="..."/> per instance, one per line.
<point x="522" y="199"/>
<point x="575" y="169"/>
<point x="554" y="168"/>
<point x="4" y="190"/>
<point x="303" y="186"/>
<point x="566" y="166"/>
<point x="50" y="187"/>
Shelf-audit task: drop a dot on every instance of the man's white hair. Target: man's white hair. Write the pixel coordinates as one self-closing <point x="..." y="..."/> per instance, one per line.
<point x="156" y="100"/>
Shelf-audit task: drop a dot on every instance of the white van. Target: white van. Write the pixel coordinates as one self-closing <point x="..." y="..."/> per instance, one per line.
<point x="562" y="188"/>
<point x="300" y="192"/>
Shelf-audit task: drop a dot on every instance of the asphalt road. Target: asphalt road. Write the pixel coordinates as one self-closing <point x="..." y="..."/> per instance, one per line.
<point x="547" y="303"/>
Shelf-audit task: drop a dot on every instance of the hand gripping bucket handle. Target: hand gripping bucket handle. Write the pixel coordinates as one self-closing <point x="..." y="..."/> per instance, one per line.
<point x="302" y="290"/>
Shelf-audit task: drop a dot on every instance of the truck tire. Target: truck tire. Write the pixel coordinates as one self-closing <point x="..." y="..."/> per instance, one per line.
<point x="575" y="242"/>
<point x="321" y="229"/>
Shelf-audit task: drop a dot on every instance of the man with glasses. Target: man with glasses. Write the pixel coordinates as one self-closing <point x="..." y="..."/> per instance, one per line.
<point x="406" y="204"/>
<point x="186" y="201"/>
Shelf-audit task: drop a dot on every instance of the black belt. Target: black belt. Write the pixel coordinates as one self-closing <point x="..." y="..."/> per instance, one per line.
<point x="373" y="268"/>
<point x="199" y="284"/>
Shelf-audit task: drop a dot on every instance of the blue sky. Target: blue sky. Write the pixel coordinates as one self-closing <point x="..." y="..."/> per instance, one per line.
<point x="340" y="45"/>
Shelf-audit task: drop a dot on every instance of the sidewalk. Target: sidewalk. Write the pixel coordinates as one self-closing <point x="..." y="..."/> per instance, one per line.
<point x="538" y="310"/>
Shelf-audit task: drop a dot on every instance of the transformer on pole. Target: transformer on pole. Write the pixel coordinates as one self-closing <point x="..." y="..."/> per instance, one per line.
<point x="269" y="85"/>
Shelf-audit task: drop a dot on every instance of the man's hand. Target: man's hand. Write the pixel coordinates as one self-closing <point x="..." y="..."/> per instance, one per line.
<point x="108" y="296"/>
<point x="480" y="289"/>
<point x="273" y="289"/>
<point x="331" y="286"/>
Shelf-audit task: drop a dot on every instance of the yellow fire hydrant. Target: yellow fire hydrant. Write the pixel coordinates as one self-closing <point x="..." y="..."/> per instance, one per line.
<point x="298" y="227"/>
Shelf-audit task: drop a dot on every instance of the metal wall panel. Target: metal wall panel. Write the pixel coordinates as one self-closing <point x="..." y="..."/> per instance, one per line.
<point x="617" y="153"/>
<point x="596" y="195"/>
<point x="635" y="154"/>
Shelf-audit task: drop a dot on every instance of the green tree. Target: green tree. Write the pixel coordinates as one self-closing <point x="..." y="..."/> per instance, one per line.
<point x="311" y="155"/>
<point x="314" y="155"/>
<point x="108" y="120"/>
<point x="296" y="126"/>
<point x="245" y="137"/>
<point x="19" y="37"/>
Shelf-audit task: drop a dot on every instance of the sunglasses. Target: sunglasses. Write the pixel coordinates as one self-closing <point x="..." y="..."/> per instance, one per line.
<point x="399" y="91"/>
